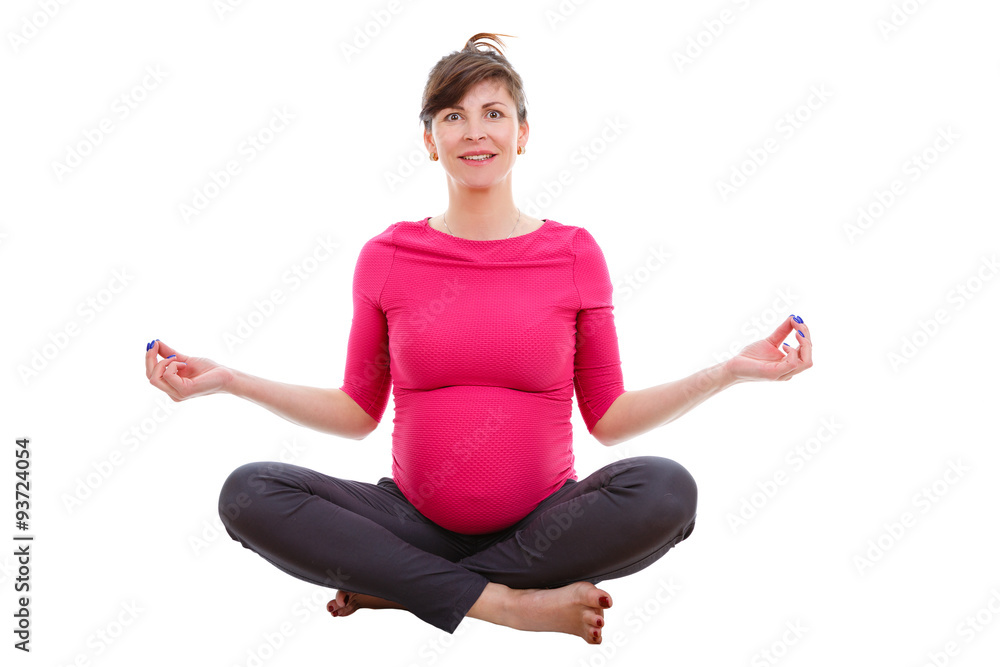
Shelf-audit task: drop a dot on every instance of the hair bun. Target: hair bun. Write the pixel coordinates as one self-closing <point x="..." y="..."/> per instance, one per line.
<point x="476" y="40"/>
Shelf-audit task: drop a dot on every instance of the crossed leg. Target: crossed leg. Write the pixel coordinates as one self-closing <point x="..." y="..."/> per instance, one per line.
<point x="536" y="575"/>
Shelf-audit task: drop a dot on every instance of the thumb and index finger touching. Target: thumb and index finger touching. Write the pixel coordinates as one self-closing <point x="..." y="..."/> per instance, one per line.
<point x="803" y="353"/>
<point x="154" y="366"/>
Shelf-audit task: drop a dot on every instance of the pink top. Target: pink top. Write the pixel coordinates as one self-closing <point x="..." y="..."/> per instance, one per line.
<point x="483" y="343"/>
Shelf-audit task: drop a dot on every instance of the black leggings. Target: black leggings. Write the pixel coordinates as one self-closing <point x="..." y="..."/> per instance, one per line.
<point x="368" y="538"/>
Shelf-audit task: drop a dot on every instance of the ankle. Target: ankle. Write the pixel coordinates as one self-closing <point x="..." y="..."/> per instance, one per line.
<point x="495" y="604"/>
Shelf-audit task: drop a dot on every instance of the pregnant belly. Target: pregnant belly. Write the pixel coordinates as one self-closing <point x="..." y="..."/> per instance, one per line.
<point x="477" y="459"/>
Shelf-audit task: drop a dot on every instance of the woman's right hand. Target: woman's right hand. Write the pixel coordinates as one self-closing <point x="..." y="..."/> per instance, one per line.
<point x="181" y="377"/>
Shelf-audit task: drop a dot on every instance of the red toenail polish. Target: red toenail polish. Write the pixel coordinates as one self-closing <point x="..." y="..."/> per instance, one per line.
<point x="595" y="634"/>
<point x="335" y="613"/>
<point x="600" y="622"/>
<point x="605" y="602"/>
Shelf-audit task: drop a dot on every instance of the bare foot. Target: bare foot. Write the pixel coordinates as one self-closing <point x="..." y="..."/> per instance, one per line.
<point x="346" y="603"/>
<point x="575" y="609"/>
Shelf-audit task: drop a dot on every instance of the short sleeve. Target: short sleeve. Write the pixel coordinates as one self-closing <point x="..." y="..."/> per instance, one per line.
<point x="366" y="375"/>
<point x="597" y="372"/>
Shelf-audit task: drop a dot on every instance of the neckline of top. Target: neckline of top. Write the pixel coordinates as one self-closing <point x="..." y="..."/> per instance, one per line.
<point x="427" y="225"/>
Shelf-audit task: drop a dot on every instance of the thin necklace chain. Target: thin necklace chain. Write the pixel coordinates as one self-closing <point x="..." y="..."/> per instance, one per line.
<point x="445" y="215"/>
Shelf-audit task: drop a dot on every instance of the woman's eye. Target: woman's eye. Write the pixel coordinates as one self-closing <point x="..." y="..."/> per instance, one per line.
<point x="498" y="114"/>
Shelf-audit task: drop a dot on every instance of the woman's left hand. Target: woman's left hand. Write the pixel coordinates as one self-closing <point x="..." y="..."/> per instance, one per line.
<point x="771" y="358"/>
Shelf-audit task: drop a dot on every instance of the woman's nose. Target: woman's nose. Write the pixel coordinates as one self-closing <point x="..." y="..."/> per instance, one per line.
<point x="474" y="130"/>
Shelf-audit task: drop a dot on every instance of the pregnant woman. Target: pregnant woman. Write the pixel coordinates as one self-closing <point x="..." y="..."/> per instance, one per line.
<point x="483" y="321"/>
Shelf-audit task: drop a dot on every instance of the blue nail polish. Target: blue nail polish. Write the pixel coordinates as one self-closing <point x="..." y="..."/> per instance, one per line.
<point x="786" y="344"/>
<point x="797" y="319"/>
<point x="147" y="346"/>
<point x="801" y="334"/>
<point x="171" y="356"/>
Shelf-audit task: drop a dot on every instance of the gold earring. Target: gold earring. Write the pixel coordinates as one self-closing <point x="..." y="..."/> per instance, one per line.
<point x="434" y="157"/>
<point x="521" y="150"/>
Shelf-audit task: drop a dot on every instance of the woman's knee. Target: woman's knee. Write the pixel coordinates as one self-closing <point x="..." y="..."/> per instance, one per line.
<point x="671" y="492"/>
<point x="240" y="490"/>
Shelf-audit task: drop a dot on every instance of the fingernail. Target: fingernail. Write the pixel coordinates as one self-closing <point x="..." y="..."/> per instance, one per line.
<point x="148" y="345"/>
<point x="786" y="344"/>
<point x="174" y="355"/>
<point x="801" y="334"/>
<point x="605" y="602"/>
<point x="797" y="319"/>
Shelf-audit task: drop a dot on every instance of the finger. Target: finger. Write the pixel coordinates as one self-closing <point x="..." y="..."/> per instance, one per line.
<point x="165" y="350"/>
<point x="157" y="380"/>
<point x="781" y="333"/>
<point x="150" y="356"/>
<point x="803" y="353"/>
<point x="805" y="347"/>
<point x="171" y="377"/>
<point x="793" y="363"/>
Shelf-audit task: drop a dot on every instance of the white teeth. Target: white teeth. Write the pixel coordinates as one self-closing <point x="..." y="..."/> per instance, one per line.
<point x="478" y="158"/>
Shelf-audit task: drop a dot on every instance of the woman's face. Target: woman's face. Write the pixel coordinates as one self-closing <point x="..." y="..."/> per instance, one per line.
<point x="484" y="121"/>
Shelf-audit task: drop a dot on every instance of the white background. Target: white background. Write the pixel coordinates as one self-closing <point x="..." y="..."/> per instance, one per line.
<point x="146" y="536"/>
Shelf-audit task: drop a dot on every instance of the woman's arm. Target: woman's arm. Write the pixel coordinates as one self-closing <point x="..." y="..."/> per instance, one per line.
<point x="636" y="412"/>
<point x="328" y="410"/>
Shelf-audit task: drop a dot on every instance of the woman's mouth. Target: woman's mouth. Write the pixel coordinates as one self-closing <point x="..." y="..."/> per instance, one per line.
<point x="479" y="159"/>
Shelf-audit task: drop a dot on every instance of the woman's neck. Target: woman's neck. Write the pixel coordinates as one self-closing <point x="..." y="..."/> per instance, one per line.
<point x="481" y="215"/>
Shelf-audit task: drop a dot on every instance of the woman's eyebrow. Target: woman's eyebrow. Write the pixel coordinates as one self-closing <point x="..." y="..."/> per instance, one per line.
<point x="487" y="104"/>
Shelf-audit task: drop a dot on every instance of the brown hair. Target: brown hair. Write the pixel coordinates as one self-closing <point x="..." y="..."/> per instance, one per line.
<point x="459" y="71"/>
